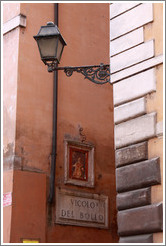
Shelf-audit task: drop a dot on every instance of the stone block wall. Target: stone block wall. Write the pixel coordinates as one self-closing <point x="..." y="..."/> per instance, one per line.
<point x="136" y="74"/>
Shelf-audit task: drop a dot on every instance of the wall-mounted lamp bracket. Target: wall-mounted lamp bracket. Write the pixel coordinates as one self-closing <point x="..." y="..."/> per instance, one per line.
<point x="98" y="74"/>
<point x="51" y="44"/>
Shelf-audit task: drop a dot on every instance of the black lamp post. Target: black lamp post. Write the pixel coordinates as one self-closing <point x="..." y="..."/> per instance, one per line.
<point x="51" y="44"/>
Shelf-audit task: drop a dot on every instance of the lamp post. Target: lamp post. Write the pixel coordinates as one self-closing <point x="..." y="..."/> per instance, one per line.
<point x="51" y="44"/>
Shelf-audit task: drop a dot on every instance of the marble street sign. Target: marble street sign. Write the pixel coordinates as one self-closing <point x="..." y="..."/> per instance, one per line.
<point x="81" y="209"/>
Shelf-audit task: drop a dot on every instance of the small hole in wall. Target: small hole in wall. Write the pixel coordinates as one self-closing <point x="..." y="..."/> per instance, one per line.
<point x="99" y="176"/>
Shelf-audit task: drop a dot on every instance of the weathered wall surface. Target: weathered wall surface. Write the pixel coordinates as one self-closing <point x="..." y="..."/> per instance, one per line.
<point x="10" y="12"/>
<point x="7" y="210"/>
<point x="82" y="103"/>
<point x="136" y="71"/>
<point x="10" y="67"/>
<point x="35" y="94"/>
<point x="28" y="207"/>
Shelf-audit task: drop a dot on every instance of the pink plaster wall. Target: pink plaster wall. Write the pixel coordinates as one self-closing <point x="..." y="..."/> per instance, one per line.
<point x="10" y="69"/>
<point x="7" y="211"/>
<point x="10" y="10"/>
<point x="10" y="75"/>
<point x="27" y="94"/>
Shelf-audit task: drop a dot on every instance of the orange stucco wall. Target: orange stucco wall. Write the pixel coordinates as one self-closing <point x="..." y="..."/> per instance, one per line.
<point x="85" y="27"/>
<point x="28" y="207"/>
<point x="35" y="93"/>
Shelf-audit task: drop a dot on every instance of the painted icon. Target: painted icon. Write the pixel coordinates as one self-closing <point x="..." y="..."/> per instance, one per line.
<point x="78" y="164"/>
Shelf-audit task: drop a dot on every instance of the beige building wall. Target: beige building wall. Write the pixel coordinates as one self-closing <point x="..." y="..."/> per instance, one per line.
<point x="155" y="103"/>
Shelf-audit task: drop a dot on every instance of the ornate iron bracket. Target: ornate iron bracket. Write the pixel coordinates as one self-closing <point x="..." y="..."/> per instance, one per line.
<point x="98" y="74"/>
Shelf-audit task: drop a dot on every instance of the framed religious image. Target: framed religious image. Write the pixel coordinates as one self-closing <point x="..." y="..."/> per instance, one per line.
<point x="79" y="163"/>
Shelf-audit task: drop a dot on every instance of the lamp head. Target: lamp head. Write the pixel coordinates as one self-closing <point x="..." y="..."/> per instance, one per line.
<point x="50" y="43"/>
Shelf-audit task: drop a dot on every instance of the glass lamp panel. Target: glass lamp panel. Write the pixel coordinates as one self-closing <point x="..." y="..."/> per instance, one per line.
<point x="59" y="50"/>
<point x="48" y="46"/>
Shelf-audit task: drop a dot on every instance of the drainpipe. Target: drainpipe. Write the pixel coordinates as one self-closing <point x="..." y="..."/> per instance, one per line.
<point x="54" y="134"/>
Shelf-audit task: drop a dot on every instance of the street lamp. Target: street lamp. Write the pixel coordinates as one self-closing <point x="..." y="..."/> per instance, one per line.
<point x="51" y="44"/>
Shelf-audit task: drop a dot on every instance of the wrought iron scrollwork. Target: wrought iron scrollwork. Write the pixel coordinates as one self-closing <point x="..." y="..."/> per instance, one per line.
<point x="98" y="74"/>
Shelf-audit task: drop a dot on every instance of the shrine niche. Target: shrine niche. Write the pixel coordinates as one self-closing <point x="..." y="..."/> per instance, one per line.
<point x="79" y="163"/>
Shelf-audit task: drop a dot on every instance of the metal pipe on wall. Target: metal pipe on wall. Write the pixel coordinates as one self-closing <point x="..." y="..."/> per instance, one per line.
<point x="54" y="134"/>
